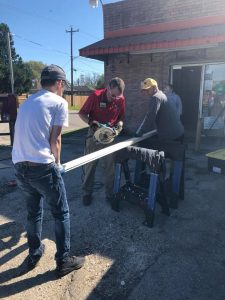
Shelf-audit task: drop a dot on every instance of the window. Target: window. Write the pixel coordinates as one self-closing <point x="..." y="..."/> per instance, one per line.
<point x="213" y="102"/>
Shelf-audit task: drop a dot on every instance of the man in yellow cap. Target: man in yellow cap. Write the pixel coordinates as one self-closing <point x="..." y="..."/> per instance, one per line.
<point x="161" y="114"/>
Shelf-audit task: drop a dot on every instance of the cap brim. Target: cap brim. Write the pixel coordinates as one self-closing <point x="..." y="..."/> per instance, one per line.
<point x="143" y="87"/>
<point x="67" y="85"/>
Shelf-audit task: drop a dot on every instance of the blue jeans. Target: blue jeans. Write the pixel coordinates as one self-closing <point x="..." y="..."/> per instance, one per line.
<point x="44" y="181"/>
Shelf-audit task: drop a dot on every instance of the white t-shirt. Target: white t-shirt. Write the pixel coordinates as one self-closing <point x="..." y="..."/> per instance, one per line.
<point x="33" y="126"/>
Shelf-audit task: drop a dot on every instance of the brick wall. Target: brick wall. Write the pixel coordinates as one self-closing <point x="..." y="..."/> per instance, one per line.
<point x="131" y="13"/>
<point x="135" y="68"/>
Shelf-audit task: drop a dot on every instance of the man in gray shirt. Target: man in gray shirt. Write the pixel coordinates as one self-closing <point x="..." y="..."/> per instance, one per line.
<point x="161" y="114"/>
<point x="173" y="98"/>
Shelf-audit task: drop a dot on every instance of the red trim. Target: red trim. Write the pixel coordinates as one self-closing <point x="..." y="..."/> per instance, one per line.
<point x="160" y="27"/>
<point x="154" y="45"/>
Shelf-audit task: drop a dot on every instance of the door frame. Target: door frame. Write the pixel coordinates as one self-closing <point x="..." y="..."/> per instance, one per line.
<point x="180" y="66"/>
<point x="174" y="66"/>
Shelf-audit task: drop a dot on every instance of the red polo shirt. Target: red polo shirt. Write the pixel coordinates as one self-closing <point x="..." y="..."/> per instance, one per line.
<point x="99" y="109"/>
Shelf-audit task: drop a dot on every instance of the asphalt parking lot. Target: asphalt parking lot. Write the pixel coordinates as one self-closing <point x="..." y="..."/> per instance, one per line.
<point x="182" y="257"/>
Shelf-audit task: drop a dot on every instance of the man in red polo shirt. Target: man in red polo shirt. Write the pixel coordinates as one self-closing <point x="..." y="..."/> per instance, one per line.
<point x="106" y="106"/>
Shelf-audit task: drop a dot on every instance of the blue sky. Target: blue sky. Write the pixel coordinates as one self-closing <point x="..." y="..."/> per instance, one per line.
<point x="39" y="29"/>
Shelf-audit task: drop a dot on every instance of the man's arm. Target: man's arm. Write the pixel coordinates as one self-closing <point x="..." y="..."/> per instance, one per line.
<point x="149" y="120"/>
<point x="179" y="105"/>
<point x="84" y="117"/>
<point x="86" y="109"/>
<point x="55" y="142"/>
<point x="118" y="127"/>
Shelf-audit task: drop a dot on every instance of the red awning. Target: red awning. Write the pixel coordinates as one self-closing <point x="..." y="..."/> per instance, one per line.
<point x="157" y="41"/>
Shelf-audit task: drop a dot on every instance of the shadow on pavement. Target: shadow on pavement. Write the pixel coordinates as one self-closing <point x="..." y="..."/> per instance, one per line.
<point x="181" y="257"/>
<point x="25" y="284"/>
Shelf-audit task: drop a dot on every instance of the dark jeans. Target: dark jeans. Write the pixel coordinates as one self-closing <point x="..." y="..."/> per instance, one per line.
<point x="44" y="181"/>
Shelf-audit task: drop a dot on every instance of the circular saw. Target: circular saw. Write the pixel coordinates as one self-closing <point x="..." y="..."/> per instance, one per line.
<point x="104" y="135"/>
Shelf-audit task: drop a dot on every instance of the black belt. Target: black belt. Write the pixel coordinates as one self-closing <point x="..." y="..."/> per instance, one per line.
<point x="33" y="164"/>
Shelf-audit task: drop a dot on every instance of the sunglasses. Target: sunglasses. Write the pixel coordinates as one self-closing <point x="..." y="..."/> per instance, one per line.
<point x="112" y="95"/>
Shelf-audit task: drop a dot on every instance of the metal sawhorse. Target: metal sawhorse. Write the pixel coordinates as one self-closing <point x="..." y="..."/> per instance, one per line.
<point x="174" y="151"/>
<point x="146" y="198"/>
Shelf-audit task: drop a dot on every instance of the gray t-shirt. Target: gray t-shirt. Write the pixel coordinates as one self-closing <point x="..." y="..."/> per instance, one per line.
<point x="176" y="101"/>
<point x="163" y="117"/>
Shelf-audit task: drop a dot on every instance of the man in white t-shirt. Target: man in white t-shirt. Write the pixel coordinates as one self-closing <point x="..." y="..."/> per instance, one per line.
<point x="36" y="157"/>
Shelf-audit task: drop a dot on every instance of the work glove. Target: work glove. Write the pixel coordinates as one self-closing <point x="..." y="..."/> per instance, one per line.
<point x="138" y="134"/>
<point x="94" y="125"/>
<point x="61" y="168"/>
<point x="115" y="131"/>
<point x="118" y="128"/>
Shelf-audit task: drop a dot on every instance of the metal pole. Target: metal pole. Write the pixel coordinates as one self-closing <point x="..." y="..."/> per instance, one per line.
<point x="71" y="58"/>
<point x="10" y="63"/>
<point x="78" y="162"/>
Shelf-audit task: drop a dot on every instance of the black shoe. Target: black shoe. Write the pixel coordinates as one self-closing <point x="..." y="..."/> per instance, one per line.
<point x="32" y="261"/>
<point x="87" y="199"/>
<point x="72" y="263"/>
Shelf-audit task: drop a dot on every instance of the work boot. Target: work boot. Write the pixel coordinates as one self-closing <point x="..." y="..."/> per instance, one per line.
<point x="32" y="261"/>
<point x="87" y="199"/>
<point x="70" y="264"/>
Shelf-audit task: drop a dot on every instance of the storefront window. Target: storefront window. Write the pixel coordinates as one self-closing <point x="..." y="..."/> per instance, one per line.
<point x="213" y="102"/>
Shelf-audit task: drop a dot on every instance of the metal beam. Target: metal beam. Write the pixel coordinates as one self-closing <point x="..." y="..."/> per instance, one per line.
<point x="78" y="162"/>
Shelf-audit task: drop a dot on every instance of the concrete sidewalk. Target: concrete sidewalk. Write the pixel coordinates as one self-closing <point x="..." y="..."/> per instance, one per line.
<point x="182" y="257"/>
<point x="74" y="123"/>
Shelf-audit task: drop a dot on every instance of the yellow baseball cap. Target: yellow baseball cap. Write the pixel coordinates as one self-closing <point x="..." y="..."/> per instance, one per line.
<point x="148" y="83"/>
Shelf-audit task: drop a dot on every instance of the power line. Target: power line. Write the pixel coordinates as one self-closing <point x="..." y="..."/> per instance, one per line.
<point x="87" y="65"/>
<point x="90" y="35"/>
<point x="61" y="52"/>
<point x="90" y="60"/>
<point x="40" y="45"/>
<point x="80" y="58"/>
<point x="30" y="14"/>
<point x="66" y="64"/>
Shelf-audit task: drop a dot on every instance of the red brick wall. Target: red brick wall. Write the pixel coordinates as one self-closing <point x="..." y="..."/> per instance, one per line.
<point x="135" y="68"/>
<point x="131" y="13"/>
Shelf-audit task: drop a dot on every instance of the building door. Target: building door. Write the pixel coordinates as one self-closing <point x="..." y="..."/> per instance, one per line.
<point x="187" y="81"/>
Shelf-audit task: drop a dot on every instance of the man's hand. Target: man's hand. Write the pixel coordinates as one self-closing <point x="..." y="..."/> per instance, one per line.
<point x="94" y="125"/>
<point x="115" y="131"/>
<point x="61" y="168"/>
<point x="138" y="134"/>
<point x="55" y="142"/>
<point x="118" y="128"/>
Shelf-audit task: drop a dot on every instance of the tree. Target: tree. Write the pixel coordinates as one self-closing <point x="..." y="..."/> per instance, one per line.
<point x="36" y="68"/>
<point x="93" y="80"/>
<point x="22" y="72"/>
<point x="100" y="82"/>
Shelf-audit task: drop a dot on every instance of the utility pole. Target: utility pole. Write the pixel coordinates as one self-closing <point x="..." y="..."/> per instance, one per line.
<point x="10" y="62"/>
<point x="71" y="31"/>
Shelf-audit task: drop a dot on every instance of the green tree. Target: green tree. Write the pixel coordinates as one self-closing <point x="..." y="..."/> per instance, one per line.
<point x="22" y="72"/>
<point x="93" y="80"/>
<point x="100" y="84"/>
<point x="36" y="68"/>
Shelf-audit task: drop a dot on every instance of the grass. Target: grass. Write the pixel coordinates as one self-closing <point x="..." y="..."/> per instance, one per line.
<point x="74" y="107"/>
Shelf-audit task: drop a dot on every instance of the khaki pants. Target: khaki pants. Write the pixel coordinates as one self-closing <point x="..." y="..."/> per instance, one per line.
<point x="90" y="168"/>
